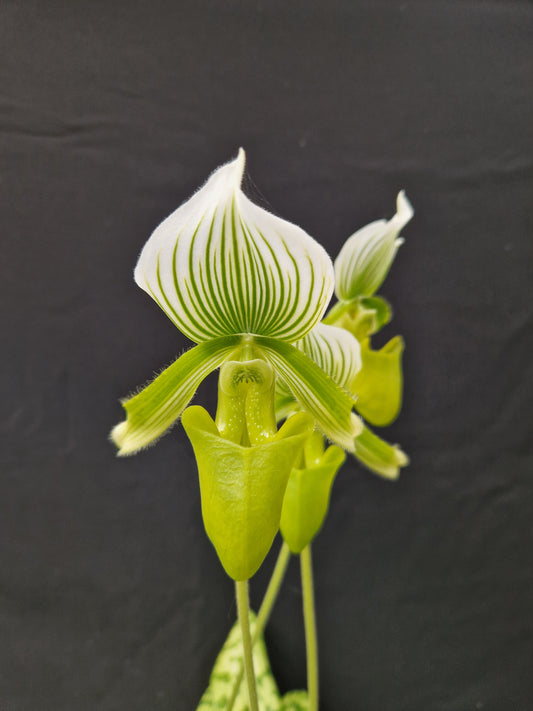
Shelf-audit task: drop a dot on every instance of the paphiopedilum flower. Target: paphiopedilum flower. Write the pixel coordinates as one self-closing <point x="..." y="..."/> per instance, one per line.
<point x="360" y="269"/>
<point x="235" y="278"/>
<point x="340" y="355"/>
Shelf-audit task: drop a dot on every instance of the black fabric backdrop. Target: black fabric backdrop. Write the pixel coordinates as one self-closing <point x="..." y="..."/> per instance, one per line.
<point x="111" y="114"/>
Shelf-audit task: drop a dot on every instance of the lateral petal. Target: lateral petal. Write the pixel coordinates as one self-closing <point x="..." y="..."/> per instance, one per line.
<point x="379" y="456"/>
<point x="316" y="391"/>
<point x="156" y="407"/>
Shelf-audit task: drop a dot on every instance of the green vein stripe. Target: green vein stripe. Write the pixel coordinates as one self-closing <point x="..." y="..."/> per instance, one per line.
<point x="198" y="295"/>
<point x="213" y="264"/>
<point x="239" y="272"/>
<point x="275" y="285"/>
<point x="225" y="292"/>
<point x="179" y="295"/>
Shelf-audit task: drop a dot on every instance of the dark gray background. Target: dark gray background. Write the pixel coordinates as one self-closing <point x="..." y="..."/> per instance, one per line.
<point x="111" y="114"/>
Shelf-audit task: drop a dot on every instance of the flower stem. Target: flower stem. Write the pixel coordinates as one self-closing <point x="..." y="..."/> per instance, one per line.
<point x="243" y="611"/>
<point x="264" y="612"/>
<point x="310" y="627"/>
<point x="272" y="591"/>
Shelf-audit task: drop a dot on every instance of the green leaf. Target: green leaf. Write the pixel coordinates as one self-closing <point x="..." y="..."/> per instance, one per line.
<point x="379" y="456"/>
<point x="242" y="488"/>
<point x="221" y="265"/>
<point x="295" y="701"/>
<point x="156" y="407"/>
<point x="315" y="390"/>
<point x="366" y="257"/>
<point x="379" y="383"/>
<point x="228" y="665"/>
<point x="306" y="499"/>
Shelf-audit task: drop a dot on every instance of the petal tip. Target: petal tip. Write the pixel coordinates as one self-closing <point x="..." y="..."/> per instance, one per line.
<point x="357" y="424"/>
<point x="241" y="157"/>
<point x="118" y="436"/>
<point x="235" y="169"/>
<point x="404" y="208"/>
<point x="402" y="459"/>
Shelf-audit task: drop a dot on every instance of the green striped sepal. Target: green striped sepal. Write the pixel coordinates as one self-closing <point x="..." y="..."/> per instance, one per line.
<point x="221" y="265"/>
<point x="315" y="391"/>
<point x="379" y="456"/>
<point x="156" y="407"/>
<point x="227" y="667"/>
<point x="366" y="257"/>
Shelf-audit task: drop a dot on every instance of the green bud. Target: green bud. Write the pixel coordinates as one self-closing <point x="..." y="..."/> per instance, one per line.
<point x="366" y="257"/>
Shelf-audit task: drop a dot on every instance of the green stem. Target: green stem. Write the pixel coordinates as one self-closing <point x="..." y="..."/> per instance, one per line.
<point x="272" y="591"/>
<point x="243" y="611"/>
<point x="310" y="627"/>
<point x="264" y="612"/>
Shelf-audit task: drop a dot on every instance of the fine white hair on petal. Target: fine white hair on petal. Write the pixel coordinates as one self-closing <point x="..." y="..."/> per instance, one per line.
<point x="221" y="265"/>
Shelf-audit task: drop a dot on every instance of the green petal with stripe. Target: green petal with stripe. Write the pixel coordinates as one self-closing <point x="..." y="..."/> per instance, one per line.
<point x="221" y="265"/>
<point x="379" y="456"/>
<point x="156" y="407"/>
<point x="316" y="392"/>
<point x="334" y="350"/>
<point x="366" y="257"/>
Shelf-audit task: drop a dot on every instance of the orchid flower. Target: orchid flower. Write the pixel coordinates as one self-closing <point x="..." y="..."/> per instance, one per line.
<point x="361" y="268"/>
<point x="236" y="280"/>
<point x="340" y="345"/>
<point x="340" y="355"/>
